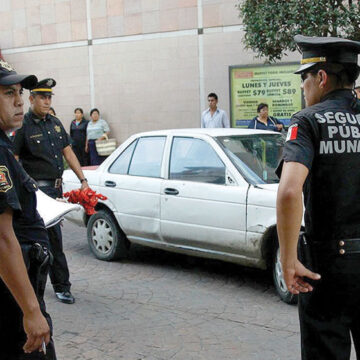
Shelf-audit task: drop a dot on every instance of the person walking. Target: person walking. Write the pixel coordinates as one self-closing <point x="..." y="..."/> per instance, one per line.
<point x="41" y="144"/>
<point x="213" y="117"/>
<point x="97" y="129"/>
<point x="78" y="136"/>
<point x="25" y="326"/>
<point x="321" y="160"/>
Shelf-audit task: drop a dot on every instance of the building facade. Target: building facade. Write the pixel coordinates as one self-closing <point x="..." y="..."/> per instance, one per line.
<point x="146" y="64"/>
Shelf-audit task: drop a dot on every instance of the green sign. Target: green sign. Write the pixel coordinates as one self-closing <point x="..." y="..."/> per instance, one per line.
<point x="275" y="85"/>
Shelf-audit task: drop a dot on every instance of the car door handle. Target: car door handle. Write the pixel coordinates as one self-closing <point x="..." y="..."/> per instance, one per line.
<point x="171" y="191"/>
<point x="110" y="183"/>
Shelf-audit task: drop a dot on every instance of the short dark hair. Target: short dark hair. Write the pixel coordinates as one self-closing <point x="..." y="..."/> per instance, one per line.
<point x="80" y="109"/>
<point x="213" y="95"/>
<point x="345" y="73"/>
<point x="94" y="109"/>
<point x="261" y="106"/>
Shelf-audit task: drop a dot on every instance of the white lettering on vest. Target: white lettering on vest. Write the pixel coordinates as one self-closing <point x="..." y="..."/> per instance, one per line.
<point x="332" y="130"/>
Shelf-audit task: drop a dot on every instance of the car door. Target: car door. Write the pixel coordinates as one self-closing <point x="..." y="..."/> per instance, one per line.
<point x="133" y="184"/>
<point x="201" y="205"/>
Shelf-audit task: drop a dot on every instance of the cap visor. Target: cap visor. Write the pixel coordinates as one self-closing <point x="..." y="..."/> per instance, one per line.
<point x="304" y="67"/>
<point x="26" y="81"/>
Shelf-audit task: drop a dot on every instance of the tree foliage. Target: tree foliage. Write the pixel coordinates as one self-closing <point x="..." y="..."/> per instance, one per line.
<point x="270" y="25"/>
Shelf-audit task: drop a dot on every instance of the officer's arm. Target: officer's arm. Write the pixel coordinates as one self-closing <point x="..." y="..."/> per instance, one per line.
<point x="13" y="273"/>
<point x="289" y="207"/>
<point x="74" y="164"/>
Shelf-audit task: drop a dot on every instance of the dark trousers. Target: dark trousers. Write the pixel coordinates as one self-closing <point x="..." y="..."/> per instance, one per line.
<point x="12" y="335"/>
<point x="95" y="159"/>
<point x="59" y="271"/>
<point x="328" y="315"/>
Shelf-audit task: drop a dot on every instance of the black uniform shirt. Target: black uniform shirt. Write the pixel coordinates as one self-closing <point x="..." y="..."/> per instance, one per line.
<point x="17" y="191"/>
<point x="78" y="133"/>
<point x="326" y="139"/>
<point x="39" y="144"/>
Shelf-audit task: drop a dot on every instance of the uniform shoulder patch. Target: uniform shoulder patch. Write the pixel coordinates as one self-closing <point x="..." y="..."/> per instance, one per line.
<point x="5" y="179"/>
<point x="57" y="128"/>
<point x="292" y="132"/>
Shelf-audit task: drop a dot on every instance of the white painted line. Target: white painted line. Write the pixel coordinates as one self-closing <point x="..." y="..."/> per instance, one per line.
<point x="45" y="47"/>
<point x="200" y="14"/>
<point x="88" y="19"/>
<point x="141" y="37"/>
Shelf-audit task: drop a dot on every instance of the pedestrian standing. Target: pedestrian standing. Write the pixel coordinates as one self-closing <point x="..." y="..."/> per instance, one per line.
<point x="213" y="117"/>
<point x="321" y="159"/>
<point x="265" y="122"/>
<point x="78" y="136"/>
<point x="25" y="325"/>
<point x="41" y="144"/>
<point x="97" y="129"/>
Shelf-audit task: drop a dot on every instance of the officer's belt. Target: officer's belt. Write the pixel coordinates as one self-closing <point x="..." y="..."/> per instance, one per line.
<point x="339" y="247"/>
<point x="52" y="183"/>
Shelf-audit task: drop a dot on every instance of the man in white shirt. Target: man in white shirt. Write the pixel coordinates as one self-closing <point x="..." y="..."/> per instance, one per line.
<point x="214" y="117"/>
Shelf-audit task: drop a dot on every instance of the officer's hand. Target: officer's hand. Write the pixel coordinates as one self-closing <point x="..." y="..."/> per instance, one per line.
<point x="294" y="273"/>
<point x="37" y="330"/>
<point x="86" y="149"/>
<point x="84" y="185"/>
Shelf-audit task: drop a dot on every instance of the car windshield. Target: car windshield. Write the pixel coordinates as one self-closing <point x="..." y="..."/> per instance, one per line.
<point x="256" y="156"/>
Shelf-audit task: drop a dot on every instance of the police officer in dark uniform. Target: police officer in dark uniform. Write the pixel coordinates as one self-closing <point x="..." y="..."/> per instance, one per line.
<point x="40" y="145"/>
<point x="24" y="323"/>
<point x="322" y="159"/>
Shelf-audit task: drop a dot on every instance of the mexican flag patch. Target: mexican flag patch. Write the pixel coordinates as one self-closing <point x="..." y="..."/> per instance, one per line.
<point x="292" y="132"/>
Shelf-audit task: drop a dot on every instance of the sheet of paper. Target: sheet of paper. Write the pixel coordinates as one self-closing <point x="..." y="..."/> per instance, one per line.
<point x="51" y="210"/>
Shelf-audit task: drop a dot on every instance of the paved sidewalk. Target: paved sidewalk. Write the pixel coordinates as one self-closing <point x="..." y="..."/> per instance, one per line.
<point x="163" y="306"/>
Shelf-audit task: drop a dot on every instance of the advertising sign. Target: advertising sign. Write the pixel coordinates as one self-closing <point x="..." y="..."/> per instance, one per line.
<point x="275" y="85"/>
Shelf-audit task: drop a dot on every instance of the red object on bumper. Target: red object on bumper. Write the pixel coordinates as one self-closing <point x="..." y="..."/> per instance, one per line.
<point x="87" y="198"/>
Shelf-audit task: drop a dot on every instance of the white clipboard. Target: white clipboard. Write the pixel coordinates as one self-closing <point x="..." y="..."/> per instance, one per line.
<point x="52" y="211"/>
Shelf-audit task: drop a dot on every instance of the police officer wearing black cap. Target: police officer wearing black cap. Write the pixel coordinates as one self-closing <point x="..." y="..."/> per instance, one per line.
<point x="24" y="323"/>
<point x="40" y="145"/>
<point x="321" y="159"/>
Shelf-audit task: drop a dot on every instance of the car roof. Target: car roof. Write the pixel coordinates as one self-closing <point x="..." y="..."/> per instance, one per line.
<point x="206" y="131"/>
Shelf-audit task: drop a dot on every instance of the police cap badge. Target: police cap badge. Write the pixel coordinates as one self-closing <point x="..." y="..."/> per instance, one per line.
<point x="44" y="87"/>
<point x="317" y="50"/>
<point x="8" y="76"/>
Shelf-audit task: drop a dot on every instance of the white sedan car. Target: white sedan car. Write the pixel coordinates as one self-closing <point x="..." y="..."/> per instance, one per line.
<point x="204" y="192"/>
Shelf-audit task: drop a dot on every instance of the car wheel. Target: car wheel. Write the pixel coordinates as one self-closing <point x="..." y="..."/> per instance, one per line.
<point x="106" y="241"/>
<point x="279" y="281"/>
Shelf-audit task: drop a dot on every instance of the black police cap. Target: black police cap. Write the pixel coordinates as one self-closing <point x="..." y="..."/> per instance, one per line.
<point x="8" y="76"/>
<point x="317" y="50"/>
<point x="44" y="87"/>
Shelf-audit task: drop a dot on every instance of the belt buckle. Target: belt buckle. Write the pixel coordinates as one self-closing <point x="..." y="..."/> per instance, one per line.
<point x="58" y="183"/>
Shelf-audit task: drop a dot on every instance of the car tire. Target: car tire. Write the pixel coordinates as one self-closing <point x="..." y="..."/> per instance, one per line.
<point x="106" y="241"/>
<point x="279" y="282"/>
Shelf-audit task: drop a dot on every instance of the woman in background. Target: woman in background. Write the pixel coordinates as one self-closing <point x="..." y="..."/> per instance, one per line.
<point x="78" y="136"/>
<point x="265" y="122"/>
<point x="97" y="129"/>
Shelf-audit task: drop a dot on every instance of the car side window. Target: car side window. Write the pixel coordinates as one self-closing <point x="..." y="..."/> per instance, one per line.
<point x="147" y="157"/>
<point x="195" y="160"/>
<point x="121" y="164"/>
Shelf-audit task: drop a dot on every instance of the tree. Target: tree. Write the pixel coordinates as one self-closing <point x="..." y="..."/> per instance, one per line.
<point x="270" y="25"/>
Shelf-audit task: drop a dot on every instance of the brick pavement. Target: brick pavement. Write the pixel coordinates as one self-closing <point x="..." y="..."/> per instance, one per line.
<point x="163" y="306"/>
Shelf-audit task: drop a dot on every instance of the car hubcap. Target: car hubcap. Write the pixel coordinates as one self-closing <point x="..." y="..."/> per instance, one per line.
<point x="102" y="236"/>
<point x="279" y="274"/>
